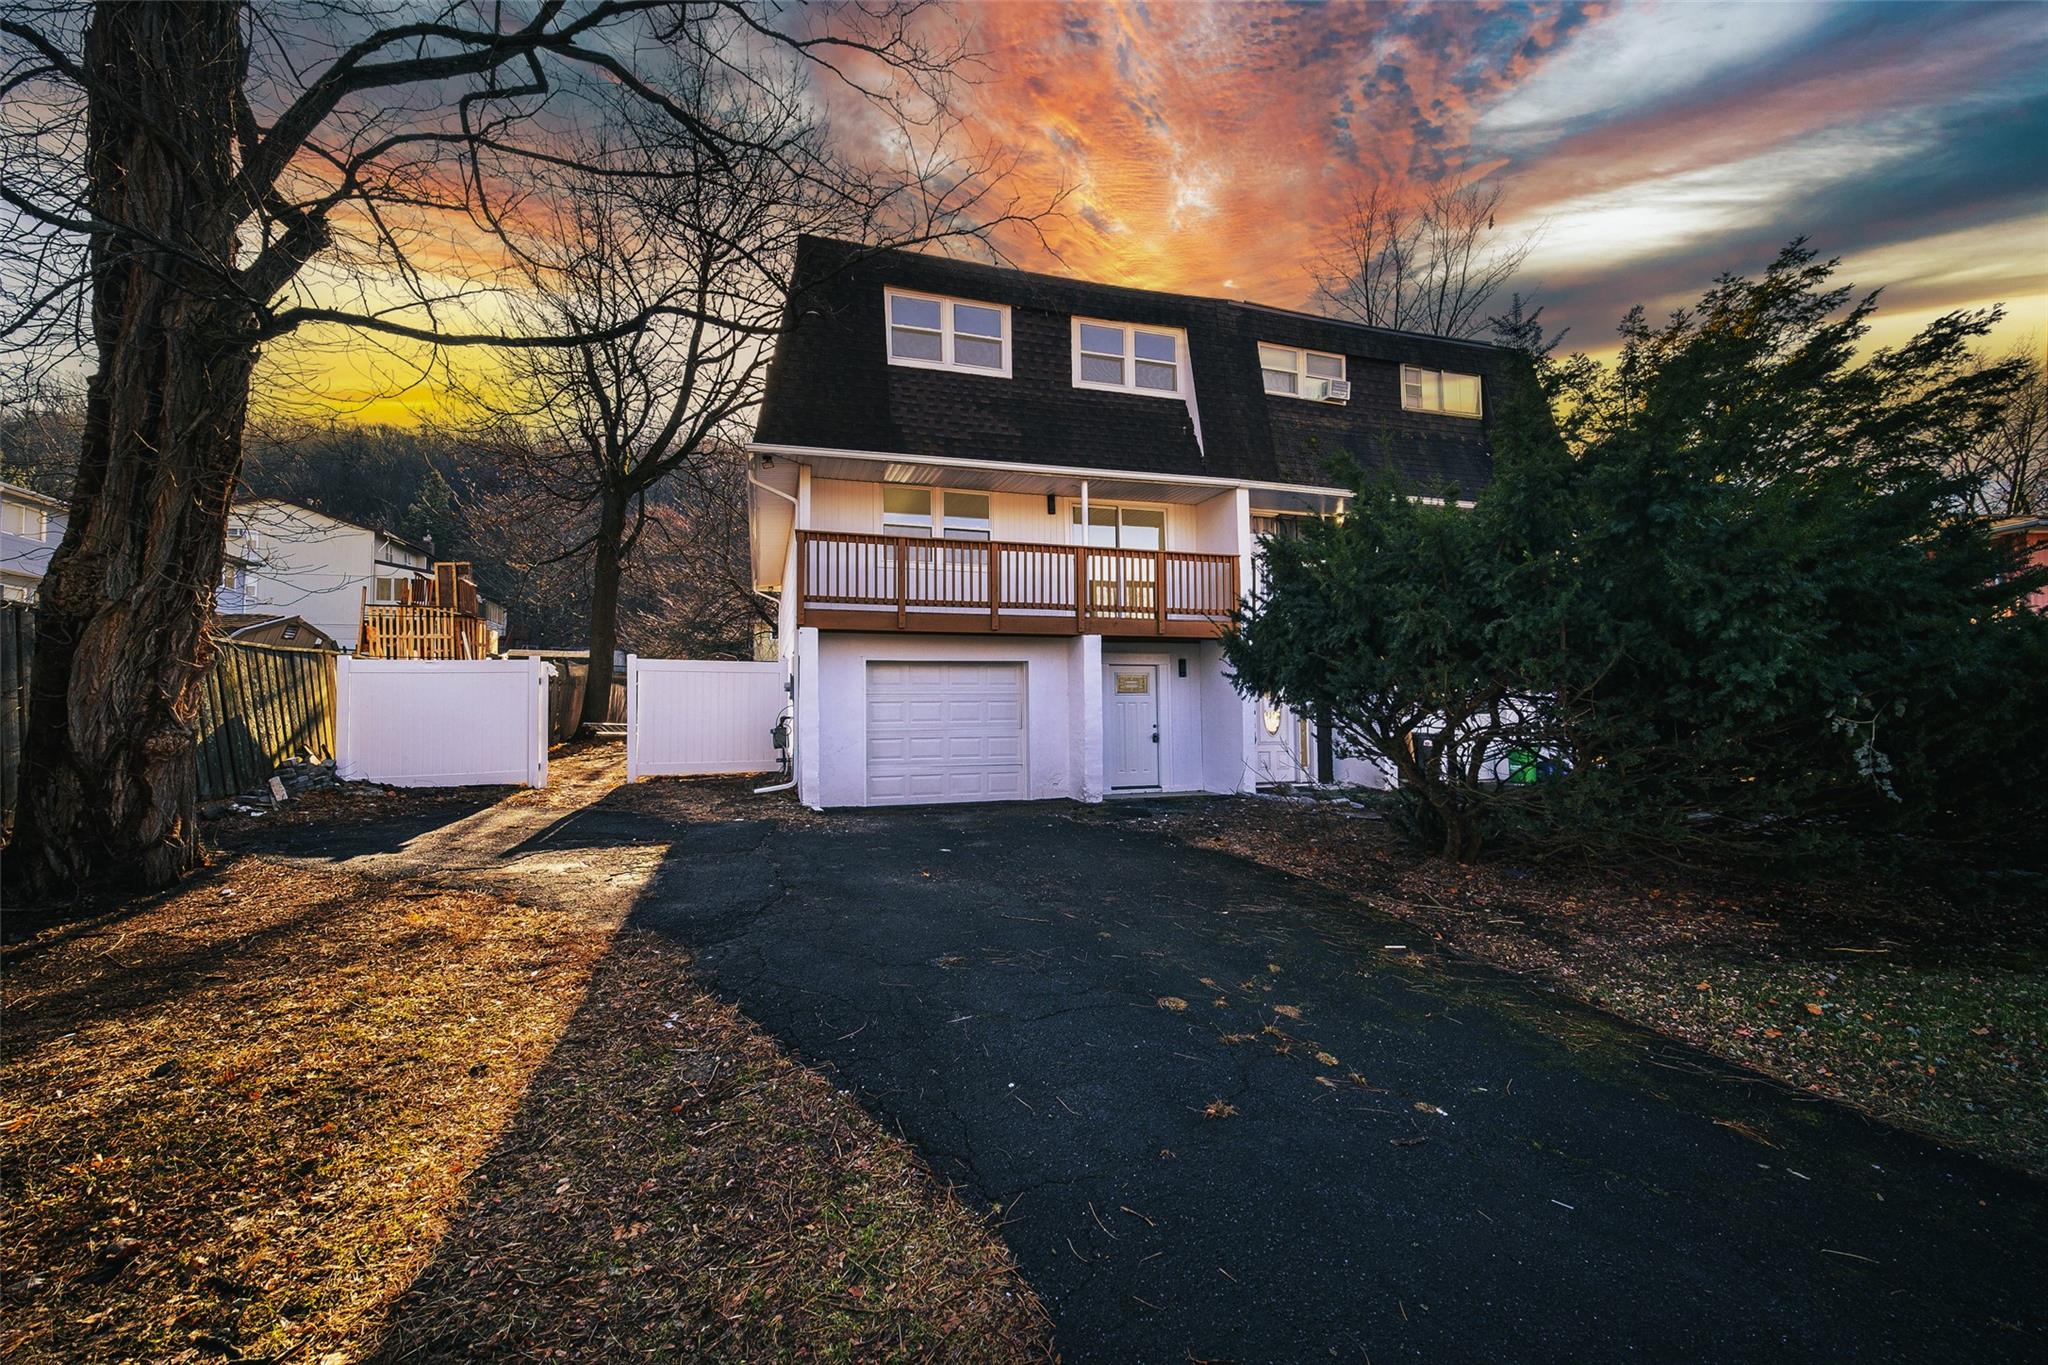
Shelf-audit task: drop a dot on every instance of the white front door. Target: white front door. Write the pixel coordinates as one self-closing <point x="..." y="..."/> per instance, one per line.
<point x="1283" y="745"/>
<point x="1131" y="733"/>
<point x="945" y="732"/>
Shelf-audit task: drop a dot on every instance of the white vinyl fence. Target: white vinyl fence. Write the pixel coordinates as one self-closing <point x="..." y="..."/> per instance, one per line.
<point x="442" y="722"/>
<point x="691" y="716"/>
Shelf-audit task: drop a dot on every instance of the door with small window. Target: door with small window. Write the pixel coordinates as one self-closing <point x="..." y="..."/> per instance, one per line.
<point x="1123" y="562"/>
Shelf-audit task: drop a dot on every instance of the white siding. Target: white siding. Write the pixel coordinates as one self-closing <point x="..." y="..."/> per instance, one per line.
<point x="1228" y="725"/>
<point x="1022" y="517"/>
<point x="842" y="505"/>
<point x="845" y="505"/>
<point x="308" y="565"/>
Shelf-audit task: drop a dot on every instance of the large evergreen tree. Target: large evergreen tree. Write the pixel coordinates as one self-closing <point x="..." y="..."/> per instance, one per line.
<point x="1725" y="587"/>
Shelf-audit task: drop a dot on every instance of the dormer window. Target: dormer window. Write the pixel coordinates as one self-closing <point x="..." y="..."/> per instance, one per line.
<point x="1115" y="355"/>
<point x="1439" y="391"/>
<point x="1299" y="373"/>
<point x="931" y="332"/>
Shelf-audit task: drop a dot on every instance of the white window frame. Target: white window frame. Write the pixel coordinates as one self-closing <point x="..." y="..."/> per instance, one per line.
<point x="1077" y="534"/>
<point x="946" y="362"/>
<point x="1302" y="378"/>
<point x="942" y="525"/>
<point x="1130" y="332"/>
<point x="935" y="529"/>
<point x="34" y="522"/>
<point x="1422" y="377"/>
<point x="931" y="511"/>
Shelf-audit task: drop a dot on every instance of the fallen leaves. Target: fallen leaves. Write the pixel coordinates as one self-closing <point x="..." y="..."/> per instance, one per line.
<point x="1425" y="1107"/>
<point x="1949" y="994"/>
<point x="375" y="1089"/>
<point x="1172" y="1002"/>
<point x="1290" y="1011"/>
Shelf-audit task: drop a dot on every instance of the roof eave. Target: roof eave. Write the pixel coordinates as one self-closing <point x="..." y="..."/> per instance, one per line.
<point x="1218" y="482"/>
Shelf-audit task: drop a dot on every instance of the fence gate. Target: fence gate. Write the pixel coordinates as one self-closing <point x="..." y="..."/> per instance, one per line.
<point x="691" y="717"/>
<point x="442" y="722"/>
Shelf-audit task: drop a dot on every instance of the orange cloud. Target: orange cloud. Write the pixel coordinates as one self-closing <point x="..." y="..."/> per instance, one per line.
<point x="1208" y="147"/>
<point x="1211" y="147"/>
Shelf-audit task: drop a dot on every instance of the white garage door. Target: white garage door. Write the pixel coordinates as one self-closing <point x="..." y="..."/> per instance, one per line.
<point x="945" y="732"/>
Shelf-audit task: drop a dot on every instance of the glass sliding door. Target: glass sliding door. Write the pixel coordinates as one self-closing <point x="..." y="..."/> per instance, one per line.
<point x="1123" y="571"/>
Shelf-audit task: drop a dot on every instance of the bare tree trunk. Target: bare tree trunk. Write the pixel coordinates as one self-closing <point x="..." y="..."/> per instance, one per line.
<point x="604" y="607"/>
<point x="109" y="791"/>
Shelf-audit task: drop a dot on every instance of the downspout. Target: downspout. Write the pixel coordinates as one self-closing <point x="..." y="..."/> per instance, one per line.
<point x="790" y="785"/>
<point x="789" y="498"/>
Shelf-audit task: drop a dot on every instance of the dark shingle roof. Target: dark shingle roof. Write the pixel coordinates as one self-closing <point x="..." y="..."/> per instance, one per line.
<point x="831" y="386"/>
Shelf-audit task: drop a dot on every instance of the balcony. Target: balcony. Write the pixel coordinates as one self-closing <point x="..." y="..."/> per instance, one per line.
<point x="846" y="581"/>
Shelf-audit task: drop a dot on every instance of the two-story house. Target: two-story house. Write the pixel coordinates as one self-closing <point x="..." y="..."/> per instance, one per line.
<point x="290" y="560"/>
<point x="1009" y="515"/>
<point x="31" y="524"/>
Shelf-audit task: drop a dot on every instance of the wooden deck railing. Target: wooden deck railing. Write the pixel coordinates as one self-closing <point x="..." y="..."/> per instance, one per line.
<point x="392" y="632"/>
<point x="864" y="582"/>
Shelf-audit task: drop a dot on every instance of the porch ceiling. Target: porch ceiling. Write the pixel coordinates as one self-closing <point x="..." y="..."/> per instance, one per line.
<point x="999" y="478"/>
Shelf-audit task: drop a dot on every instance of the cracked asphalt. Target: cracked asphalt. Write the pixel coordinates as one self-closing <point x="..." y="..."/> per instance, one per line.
<point x="1220" y="1119"/>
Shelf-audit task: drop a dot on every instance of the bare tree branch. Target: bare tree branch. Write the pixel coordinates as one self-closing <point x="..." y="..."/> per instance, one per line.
<point x="1430" y="265"/>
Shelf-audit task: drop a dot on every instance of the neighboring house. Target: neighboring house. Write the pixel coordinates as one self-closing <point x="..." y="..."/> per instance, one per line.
<point x="232" y="593"/>
<point x="295" y="561"/>
<point x="2030" y="535"/>
<point x="30" y="527"/>
<point x="495" y="621"/>
<point x="1009" y="515"/>
<point x="269" y="628"/>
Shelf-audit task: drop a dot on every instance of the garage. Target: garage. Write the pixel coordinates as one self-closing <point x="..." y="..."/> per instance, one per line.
<point x="945" y="732"/>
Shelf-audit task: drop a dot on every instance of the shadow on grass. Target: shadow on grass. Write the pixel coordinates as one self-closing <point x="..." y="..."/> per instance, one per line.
<point x="365" y="825"/>
<point x="672" y="1184"/>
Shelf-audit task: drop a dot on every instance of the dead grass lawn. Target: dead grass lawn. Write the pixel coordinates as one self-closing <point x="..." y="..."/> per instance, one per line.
<point x="292" y="1115"/>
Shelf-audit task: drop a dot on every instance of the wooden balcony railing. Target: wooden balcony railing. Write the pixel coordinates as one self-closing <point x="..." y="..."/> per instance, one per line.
<point x="846" y="581"/>
<point x="393" y="632"/>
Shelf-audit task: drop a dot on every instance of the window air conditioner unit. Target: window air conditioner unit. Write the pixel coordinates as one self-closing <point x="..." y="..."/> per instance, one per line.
<point x="1337" y="391"/>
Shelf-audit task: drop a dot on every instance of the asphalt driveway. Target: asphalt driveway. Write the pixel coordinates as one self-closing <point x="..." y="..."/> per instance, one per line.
<point x="1423" y="1160"/>
<point x="1222" y="1120"/>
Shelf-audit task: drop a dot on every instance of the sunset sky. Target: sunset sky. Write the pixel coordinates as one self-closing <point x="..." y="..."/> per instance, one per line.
<point x="1210" y="147"/>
